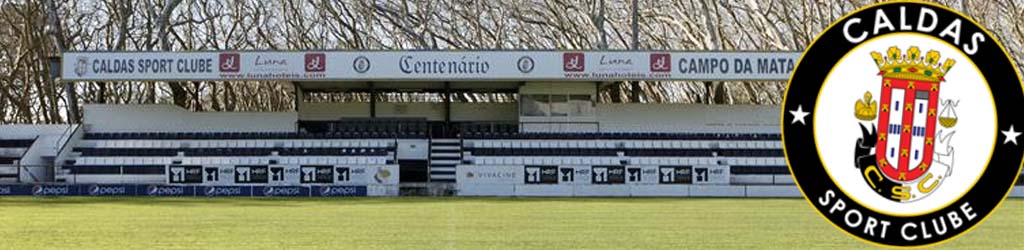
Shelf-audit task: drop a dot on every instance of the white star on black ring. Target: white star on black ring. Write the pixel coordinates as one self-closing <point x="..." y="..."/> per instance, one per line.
<point x="1011" y="135"/>
<point x="799" y="115"/>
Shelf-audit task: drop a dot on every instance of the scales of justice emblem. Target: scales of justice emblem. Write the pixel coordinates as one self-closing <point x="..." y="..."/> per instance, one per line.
<point x="910" y="155"/>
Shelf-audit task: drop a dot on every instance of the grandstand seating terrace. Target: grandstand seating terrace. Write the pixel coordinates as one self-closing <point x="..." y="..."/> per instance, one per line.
<point x="13" y="149"/>
<point x="755" y="158"/>
<point x="11" y="152"/>
<point x="147" y="154"/>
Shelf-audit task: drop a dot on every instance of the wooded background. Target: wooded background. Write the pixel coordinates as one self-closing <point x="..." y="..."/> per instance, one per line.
<point x="32" y="31"/>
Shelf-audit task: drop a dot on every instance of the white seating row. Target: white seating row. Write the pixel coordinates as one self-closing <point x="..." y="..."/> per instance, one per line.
<point x="546" y="160"/>
<point x="354" y="160"/>
<point x="761" y="179"/>
<point x="304" y="160"/>
<point x="755" y="161"/>
<point x="744" y="161"/>
<point x="123" y="161"/>
<point x="339" y="143"/>
<point x="654" y="144"/>
<point x="12" y="152"/>
<point x="660" y="161"/>
<point x="114" y="178"/>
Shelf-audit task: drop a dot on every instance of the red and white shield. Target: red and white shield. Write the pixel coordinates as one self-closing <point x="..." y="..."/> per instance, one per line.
<point x="906" y="128"/>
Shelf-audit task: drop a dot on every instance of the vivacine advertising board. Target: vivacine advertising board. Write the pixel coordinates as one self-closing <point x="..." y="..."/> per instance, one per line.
<point x="490" y="175"/>
<point x="427" y="65"/>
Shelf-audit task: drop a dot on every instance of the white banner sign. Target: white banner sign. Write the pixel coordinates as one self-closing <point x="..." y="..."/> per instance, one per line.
<point x="427" y="65"/>
<point x="711" y="174"/>
<point x="489" y="174"/>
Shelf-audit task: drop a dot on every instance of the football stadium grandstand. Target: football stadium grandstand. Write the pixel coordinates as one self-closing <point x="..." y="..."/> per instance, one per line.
<point x="549" y="137"/>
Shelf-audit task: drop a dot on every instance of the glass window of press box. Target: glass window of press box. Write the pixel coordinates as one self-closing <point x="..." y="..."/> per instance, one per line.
<point x="545" y="105"/>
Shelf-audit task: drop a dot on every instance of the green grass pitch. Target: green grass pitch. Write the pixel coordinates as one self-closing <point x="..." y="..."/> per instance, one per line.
<point x="444" y="223"/>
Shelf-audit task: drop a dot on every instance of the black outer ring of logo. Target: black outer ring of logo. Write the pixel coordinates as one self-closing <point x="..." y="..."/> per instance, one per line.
<point x="994" y="184"/>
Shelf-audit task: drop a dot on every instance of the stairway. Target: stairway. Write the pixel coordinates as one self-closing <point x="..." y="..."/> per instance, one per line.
<point x="444" y="155"/>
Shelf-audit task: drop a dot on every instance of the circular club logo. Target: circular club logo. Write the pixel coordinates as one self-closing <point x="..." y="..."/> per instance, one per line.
<point x="361" y="64"/>
<point x="911" y="109"/>
<point x="525" y="64"/>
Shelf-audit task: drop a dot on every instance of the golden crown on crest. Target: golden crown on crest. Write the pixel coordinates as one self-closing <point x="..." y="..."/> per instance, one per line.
<point x="911" y="65"/>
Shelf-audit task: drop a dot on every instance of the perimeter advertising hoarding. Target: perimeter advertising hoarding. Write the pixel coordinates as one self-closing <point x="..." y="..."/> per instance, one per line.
<point x="108" y="190"/>
<point x="55" y="190"/>
<point x="490" y="175"/>
<point x="338" y="191"/>
<point x="279" y="175"/>
<point x="281" y="191"/>
<point x="15" y="190"/>
<point x="161" y="190"/>
<point x="207" y="191"/>
<point x="598" y="181"/>
<point x="711" y="174"/>
<point x="366" y="175"/>
<point x="427" y="65"/>
<point x="227" y="191"/>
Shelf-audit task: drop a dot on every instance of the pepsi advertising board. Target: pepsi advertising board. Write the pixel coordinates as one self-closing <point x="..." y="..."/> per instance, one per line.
<point x="226" y="191"/>
<point x="15" y="190"/>
<point x="338" y="191"/>
<point x="108" y="190"/>
<point x="161" y="190"/>
<point x="184" y="191"/>
<point x="281" y="191"/>
<point x="54" y="190"/>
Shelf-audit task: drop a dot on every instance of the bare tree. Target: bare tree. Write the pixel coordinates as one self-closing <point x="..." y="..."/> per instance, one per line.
<point x="32" y="31"/>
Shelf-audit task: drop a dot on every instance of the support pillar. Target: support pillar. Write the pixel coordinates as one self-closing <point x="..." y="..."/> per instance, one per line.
<point x="373" y="101"/>
<point x="300" y="95"/>
<point x="448" y="109"/>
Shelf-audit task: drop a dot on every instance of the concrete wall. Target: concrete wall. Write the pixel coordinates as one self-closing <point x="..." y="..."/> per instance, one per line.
<point x="556" y="190"/>
<point x="630" y="117"/>
<point x="170" y="118"/>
